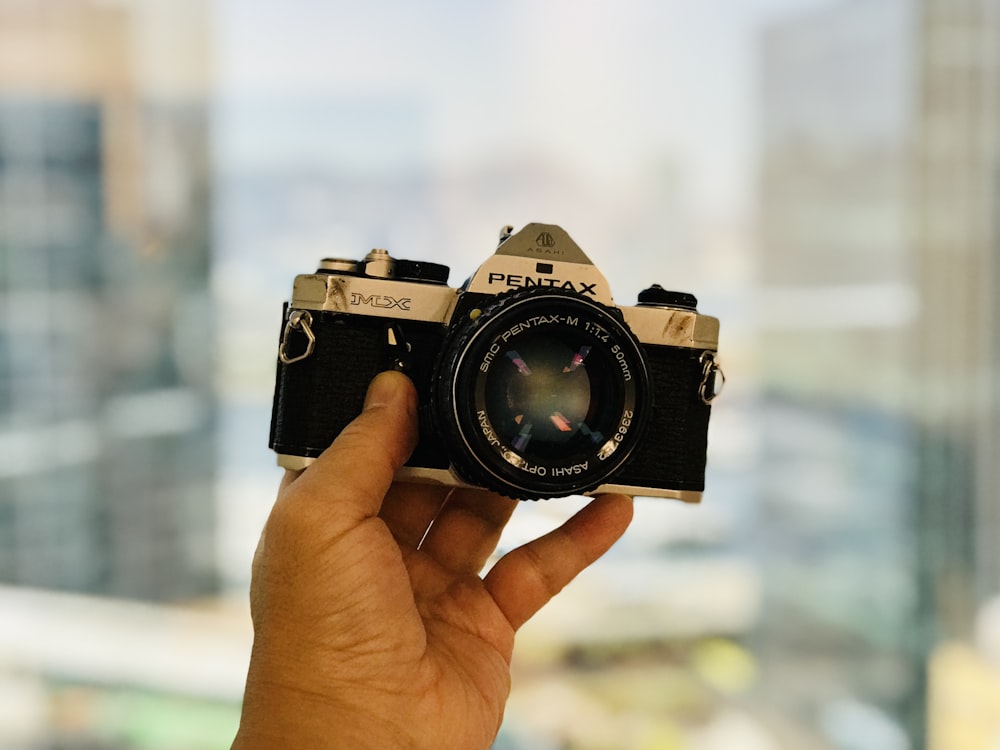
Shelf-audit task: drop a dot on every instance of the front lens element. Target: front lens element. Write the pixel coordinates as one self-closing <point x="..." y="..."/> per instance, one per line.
<point x="548" y="394"/>
<point x="545" y="399"/>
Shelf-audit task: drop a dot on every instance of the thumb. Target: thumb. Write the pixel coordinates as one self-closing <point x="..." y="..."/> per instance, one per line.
<point x="357" y="470"/>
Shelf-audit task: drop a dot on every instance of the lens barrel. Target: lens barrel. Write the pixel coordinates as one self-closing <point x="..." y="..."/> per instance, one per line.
<point x="540" y="393"/>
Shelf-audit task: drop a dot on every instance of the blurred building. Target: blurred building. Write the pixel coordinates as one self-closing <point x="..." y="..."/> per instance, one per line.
<point x="106" y="345"/>
<point x="956" y="345"/>
<point x="879" y="286"/>
<point x="956" y="348"/>
<point x="837" y="118"/>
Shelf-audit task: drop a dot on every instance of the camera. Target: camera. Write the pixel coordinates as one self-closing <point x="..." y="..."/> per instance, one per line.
<point x="531" y="381"/>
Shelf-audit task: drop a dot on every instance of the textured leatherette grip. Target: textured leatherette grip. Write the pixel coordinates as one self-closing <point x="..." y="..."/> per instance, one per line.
<point x="672" y="451"/>
<point x="318" y="396"/>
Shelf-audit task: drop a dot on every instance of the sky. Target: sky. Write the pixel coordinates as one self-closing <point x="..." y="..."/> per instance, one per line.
<point x="603" y="86"/>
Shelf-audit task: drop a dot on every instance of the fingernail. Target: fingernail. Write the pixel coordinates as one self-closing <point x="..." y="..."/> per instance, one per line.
<point x="389" y="389"/>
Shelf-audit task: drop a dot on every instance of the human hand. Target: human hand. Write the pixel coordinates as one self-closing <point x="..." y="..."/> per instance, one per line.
<point x="372" y="626"/>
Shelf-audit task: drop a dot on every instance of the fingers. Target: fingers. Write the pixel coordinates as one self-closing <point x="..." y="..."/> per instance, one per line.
<point x="524" y="580"/>
<point x="355" y="472"/>
<point x="459" y="531"/>
<point x="467" y="530"/>
<point x="408" y="510"/>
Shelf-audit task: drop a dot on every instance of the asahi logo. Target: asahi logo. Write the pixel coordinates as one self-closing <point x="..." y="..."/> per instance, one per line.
<point x="545" y="244"/>
<point x="545" y="240"/>
<point x="381" y="301"/>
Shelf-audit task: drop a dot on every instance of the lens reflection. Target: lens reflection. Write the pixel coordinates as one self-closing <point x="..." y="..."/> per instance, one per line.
<point x="541" y="398"/>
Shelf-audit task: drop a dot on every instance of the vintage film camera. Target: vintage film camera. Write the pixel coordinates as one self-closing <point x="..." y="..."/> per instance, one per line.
<point x="531" y="381"/>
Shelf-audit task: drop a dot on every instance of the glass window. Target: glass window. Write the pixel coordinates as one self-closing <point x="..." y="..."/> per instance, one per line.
<point x="822" y="175"/>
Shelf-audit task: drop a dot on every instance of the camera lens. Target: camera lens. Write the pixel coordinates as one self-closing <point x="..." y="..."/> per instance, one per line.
<point x="543" y="394"/>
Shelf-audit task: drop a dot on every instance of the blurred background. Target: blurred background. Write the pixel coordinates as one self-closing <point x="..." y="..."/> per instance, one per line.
<point x="823" y="174"/>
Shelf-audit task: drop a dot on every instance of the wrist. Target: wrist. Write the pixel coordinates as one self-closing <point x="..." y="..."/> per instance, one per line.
<point x="279" y="717"/>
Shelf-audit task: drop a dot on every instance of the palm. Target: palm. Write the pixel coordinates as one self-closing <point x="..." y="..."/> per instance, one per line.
<point x="464" y="664"/>
<point x="428" y="636"/>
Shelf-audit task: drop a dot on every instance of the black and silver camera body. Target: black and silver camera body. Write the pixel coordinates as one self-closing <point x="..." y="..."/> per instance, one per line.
<point x="531" y="381"/>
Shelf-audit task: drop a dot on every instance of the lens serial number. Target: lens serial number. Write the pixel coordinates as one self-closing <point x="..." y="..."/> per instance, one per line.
<point x="624" y="425"/>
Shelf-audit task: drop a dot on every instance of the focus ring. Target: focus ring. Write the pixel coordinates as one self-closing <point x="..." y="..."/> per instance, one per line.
<point x="546" y="367"/>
